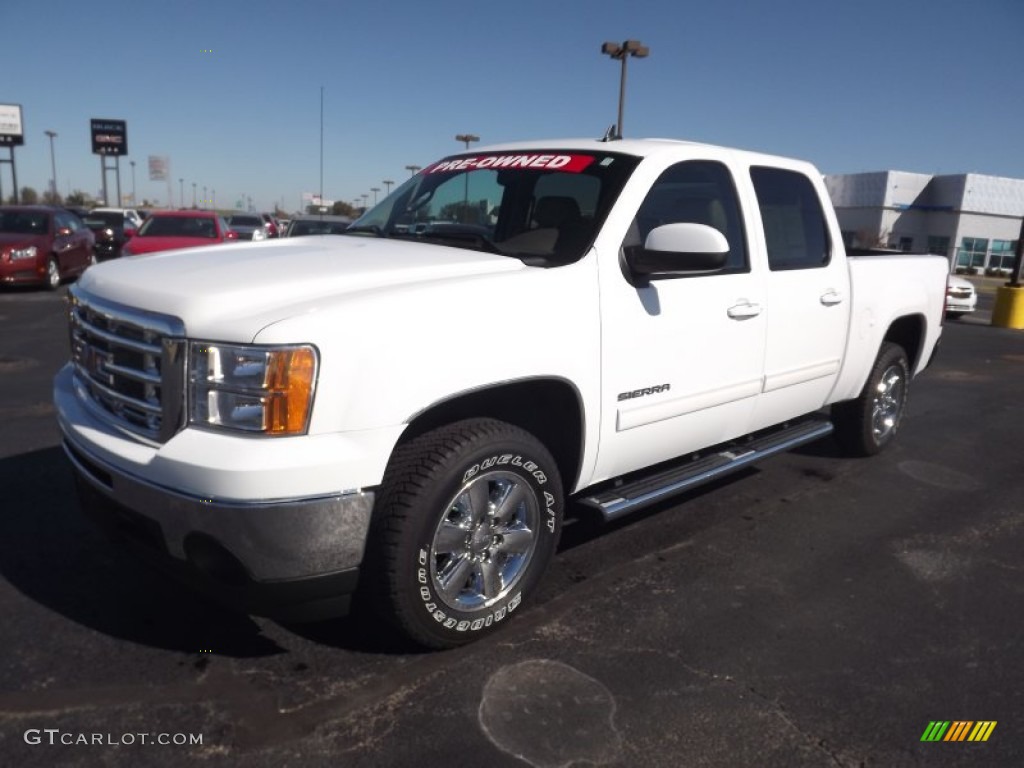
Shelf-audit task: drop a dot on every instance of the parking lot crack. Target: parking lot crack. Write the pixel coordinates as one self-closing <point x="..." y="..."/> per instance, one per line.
<point x="776" y="709"/>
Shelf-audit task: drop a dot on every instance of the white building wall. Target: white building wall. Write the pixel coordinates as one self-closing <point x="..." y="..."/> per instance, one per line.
<point x="897" y="206"/>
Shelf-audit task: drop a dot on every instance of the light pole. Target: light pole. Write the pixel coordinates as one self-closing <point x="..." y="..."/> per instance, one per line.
<point x="193" y="194"/>
<point x="53" y="164"/>
<point x="205" y="201"/>
<point x="387" y="186"/>
<point x="467" y="138"/>
<point x="181" y="184"/>
<point x="623" y="52"/>
<point x="412" y="169"/>
<point x="375" y="190"/>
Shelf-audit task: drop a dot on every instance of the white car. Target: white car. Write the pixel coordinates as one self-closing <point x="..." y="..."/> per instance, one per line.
<point x="961" y="298"/>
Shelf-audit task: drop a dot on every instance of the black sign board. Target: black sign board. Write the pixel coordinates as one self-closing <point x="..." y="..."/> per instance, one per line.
<point x="109" y="137"/>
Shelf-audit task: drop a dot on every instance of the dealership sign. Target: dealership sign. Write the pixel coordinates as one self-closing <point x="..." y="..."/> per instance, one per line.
<point x="109" y="137"/>
<point x="158" y="165"/>
<point x="11" y="133"/>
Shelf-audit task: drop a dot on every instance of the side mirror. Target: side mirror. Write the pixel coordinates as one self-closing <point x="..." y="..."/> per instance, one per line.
<point x="129" y="233"/>
<point x="63" y="231"/>
<point x="673" y="250"/>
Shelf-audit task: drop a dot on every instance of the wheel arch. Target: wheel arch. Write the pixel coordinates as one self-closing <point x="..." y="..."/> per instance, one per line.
<point x="551" y="409"/>
<point x="908" y="332"/>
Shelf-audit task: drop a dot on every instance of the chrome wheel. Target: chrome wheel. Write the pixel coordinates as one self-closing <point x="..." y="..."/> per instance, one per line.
<point x="484" y="543"/>
<point x="887" y="403"/>
<point x="52" y="274"/>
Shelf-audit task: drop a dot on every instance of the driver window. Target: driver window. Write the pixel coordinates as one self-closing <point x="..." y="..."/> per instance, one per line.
<point x="698" y="192"/>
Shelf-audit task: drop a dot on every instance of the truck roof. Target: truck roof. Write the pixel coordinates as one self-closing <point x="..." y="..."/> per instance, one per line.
<point x="637" y="147"/>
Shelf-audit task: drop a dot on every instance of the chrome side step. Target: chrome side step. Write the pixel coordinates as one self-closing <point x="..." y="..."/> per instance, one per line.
<point x="727" y="458"/>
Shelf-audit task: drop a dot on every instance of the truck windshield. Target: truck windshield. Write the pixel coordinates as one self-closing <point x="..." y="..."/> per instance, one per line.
<point x="542" y="207"/>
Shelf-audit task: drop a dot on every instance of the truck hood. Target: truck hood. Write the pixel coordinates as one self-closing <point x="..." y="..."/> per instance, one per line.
<point x="247" y="286"/>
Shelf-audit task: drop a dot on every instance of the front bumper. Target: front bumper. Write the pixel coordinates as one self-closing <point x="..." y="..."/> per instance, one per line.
<point x="22" y="272"/>
<point x="263" y="525"/>
<point x="290" y="560"/>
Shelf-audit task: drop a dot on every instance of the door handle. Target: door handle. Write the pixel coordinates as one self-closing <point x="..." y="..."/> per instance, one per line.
<point x="744" y="310"/>
<point x="830" y="298"/>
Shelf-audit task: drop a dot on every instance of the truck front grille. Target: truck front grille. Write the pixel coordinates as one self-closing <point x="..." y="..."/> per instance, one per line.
<point x="129" y="363"/>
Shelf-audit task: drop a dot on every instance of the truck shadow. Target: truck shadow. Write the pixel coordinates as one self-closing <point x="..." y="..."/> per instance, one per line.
<point x="55" y="556"/>
<point x="51" y="554"/>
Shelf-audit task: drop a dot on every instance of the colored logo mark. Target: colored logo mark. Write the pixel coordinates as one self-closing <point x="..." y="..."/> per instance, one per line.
<point x="959" y="730"/>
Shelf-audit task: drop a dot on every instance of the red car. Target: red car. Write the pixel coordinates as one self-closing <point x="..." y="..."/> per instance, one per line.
<point x="166" y="230"/>
<point x="42" y="245"/>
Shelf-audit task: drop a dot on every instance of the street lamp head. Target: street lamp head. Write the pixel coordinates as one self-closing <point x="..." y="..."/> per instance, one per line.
<point x="467" y="137"/>
<point x="51" y="134"/>
<point x="628" y="48"/>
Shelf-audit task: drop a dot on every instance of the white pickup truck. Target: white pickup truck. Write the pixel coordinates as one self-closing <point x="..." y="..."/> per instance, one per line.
<point x="401" y="413"/>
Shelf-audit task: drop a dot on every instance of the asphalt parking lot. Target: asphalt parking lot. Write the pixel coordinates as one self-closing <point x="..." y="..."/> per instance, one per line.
<point x="814" y="611"/>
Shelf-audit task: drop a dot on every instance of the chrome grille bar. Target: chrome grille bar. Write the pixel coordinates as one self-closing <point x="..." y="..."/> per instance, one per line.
<point x="113" y="394"/>
<point x="126" y="364"/>
<point x="113" y="338"/>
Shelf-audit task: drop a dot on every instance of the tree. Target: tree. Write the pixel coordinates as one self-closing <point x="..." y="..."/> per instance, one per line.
<point x="51" y="199"/>
<point x="29" y="196"/>
<point x="78" y="197"/>
<point x="342" y="208"/>
<point x="462" y="212"/>
<point x="867" y="238"/>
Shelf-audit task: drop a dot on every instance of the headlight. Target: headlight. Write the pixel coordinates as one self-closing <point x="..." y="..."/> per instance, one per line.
<point x="18" y="254"/>
<point x="259" y="234"/>
<point x="267" y="390"/>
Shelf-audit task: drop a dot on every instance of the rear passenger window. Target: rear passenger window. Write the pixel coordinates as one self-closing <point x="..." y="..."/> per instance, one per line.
<point x="794" y="225"/>
<point x="697" y="192"/>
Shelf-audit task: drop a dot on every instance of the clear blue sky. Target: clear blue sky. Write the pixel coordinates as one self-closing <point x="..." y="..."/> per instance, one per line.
<point x="931" y="86"/>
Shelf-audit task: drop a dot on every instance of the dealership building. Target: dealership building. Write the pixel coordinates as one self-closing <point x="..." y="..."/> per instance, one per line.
<point x="971" y="219"/>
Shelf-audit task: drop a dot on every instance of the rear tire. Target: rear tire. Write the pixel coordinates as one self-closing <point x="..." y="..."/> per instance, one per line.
<point x="867" y="425"/>
<point x="467" y="520"/>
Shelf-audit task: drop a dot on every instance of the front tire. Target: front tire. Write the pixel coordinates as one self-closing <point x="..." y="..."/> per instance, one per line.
<point x="467" y="520"/>
<point x="867" y="425"/>
<point x="52" y="274"/>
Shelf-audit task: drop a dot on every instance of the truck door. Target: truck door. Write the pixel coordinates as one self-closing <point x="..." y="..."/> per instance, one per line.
<point x="808" y="295"/>
<point x="682" y="357"/>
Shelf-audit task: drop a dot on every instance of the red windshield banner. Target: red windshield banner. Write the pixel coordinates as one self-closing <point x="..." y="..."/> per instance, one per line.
<point x="563" y="163"/>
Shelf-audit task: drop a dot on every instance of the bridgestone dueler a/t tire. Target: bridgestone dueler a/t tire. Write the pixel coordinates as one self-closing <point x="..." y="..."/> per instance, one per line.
<point x="466" y="522"/>
<point x="867" y="425"/>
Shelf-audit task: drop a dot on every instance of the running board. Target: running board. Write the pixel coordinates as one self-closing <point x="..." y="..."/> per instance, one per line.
<point x="650" y="489"/>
